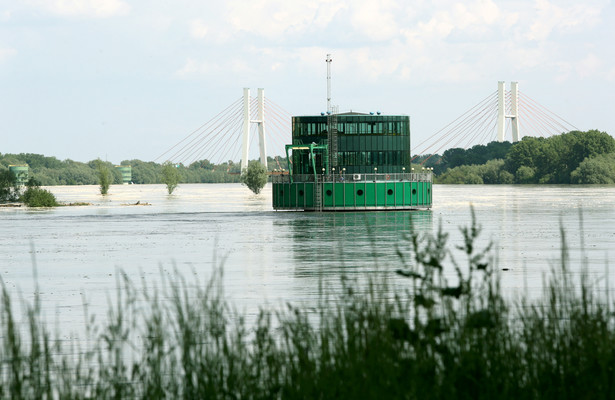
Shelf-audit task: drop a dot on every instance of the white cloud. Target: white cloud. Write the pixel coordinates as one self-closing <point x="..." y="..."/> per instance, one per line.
<point x="276" y="18"/>
<point x="437" y="40"/>
<point x="375" y="19"/>
<point x="469" y="20"/>
<point x="83" y="8"/>
<point x="551" y="18"/>
<point x="198" y="29"/>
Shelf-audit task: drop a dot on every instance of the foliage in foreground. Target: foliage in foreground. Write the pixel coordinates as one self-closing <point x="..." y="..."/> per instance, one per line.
<point x="450" y="336"/>
<point x="255" y="177"/>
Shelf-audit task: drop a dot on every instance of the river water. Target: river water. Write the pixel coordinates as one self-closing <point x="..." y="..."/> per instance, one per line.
<point x="269" y="257"/>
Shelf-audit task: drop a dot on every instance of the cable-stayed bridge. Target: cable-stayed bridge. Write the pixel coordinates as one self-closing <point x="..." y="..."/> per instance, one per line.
<point x="502" y="115"/>
<point x="232" y="134"/>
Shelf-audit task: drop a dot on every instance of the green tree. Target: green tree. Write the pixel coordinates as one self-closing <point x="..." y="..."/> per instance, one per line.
<point x="506" y="177"/>
<point x="463" y="174"/>
<point x="255" y="177"/>
<point x="490" y="171"/>
<point x="170" y="176"/>
<point x="35" y="196"/>
<point x="554" y="159"/>
<point x="104" y="176"/>
<point x="596" y="170"/>
<point x="525" y="175"/>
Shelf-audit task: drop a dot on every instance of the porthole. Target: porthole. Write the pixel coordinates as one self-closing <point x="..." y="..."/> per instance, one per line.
<point x="360" y="192"/>
<point x="390" y="192"/>
<point x="301" y="193"/>
<point x="413" y="191"/>
<point x="329" y="193"/>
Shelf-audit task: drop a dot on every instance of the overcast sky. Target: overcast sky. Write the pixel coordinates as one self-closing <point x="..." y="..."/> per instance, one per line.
<point x="123" y="79"/>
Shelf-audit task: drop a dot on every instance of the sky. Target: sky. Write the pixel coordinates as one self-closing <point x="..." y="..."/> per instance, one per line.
<point x="128" y="79"/>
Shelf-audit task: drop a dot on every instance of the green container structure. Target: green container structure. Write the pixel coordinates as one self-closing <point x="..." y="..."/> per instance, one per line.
<point x="21" y="172"/>
<point x="351" y="162"/>
<point x="126" y="171"/>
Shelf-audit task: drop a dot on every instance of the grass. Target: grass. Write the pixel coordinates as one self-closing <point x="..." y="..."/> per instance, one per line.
<point x="453" y="338"/>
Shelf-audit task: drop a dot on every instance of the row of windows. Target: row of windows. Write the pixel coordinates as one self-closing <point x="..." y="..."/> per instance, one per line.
<point x="363" y="143"/>
<point x="352" y="160"/>
<point x="373" y="158"/>
<point x="352" y="118"/>
<point x="351" y="128"/>
<point x="374" y="143"/>
<point x="353" y="125"/>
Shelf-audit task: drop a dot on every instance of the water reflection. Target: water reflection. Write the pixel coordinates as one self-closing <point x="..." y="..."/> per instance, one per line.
<point x="350" y="243"/>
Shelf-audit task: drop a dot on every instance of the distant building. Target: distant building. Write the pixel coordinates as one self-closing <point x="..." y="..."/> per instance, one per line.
<point x="21" y="173"/>
<point x="126" y="171"/>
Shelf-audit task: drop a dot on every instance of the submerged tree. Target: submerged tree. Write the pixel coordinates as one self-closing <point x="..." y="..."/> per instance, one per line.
<point x="170" y="176"/>
<point x="255" y="177"/>
<point x="104" y="176"/>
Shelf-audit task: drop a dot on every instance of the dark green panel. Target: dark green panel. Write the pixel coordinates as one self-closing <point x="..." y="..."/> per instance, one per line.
<point x="381" y="193"/>
<point x="361" y="194"/>
<point x="327" y="195"/>
<point x="339" y="194"/>
<point x="309" y="194"/>
<point x="399" y="193"/>
<point x="370" y="192"/>
<point x="292" y="196"/>
<point x="349" y="193"/>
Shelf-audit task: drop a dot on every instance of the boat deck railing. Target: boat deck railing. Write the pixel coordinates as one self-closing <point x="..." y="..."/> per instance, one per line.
<point x="401" y="177"/>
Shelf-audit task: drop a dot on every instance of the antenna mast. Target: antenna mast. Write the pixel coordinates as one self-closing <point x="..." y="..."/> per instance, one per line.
<point x="329" y="60"/>
<point x="331" y="120"/>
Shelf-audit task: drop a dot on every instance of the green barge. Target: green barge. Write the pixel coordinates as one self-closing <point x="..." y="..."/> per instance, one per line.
<point x="351" y="162"/>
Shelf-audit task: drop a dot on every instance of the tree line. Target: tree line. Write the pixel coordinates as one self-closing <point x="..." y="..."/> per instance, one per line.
<point x="49" y="171"/>
<point x="570" y="158"/>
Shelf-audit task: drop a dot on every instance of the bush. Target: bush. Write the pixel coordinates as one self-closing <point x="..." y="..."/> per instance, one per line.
<point x="525" y="174"/>
<point x="255" y="177"/>
<point x="34" y="196"/>
<point x="596" y="170"/>
<point x="104" y="176"/>
<point x="170" y="176"/>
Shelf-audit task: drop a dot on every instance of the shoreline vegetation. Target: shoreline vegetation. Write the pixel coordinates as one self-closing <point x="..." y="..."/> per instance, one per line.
<point x="450" y="335"/>
<point x="570" y="158"/>
<point x="49" y="171"/>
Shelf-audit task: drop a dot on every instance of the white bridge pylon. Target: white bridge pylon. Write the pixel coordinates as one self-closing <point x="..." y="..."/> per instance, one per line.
<point x="514" y="111"/>
<point x="260" y="120"/>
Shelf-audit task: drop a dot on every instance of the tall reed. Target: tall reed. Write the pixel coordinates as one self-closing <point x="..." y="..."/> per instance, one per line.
<point x="450" y="335"/>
